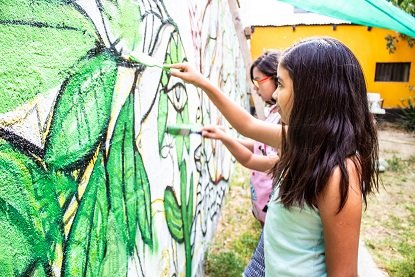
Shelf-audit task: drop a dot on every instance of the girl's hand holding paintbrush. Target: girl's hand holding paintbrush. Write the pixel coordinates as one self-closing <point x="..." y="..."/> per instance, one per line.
<point x="187" y="73"/>
<point x="214" y="132"/>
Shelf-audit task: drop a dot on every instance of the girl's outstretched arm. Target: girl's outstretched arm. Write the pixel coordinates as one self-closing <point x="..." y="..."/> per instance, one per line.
<point x="241" y="153"/>
<point x="241" y="120"/>
<point x="247" y="142"/>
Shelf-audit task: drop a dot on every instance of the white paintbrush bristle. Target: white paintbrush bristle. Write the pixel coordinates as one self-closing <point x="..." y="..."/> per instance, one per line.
<point x="145" y="59"/>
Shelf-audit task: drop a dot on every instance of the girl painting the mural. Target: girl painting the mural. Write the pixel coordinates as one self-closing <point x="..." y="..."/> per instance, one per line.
<point x="255" y="155"/>
<point x="327" y="163"/>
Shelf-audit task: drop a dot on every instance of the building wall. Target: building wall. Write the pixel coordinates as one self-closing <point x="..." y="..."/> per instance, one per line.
<point x="90" y="181"/>
<point x="368" y="46"/>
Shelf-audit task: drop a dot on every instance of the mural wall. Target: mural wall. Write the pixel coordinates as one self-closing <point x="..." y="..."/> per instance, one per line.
<point x="90" y="182"/>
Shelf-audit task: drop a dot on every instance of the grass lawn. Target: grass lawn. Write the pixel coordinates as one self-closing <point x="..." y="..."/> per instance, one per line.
<point x="238" y="231"/>
<point x="388" y="224"/>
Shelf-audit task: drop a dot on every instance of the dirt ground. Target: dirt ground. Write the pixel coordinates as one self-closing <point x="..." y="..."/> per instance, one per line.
<point x="393" y="141"/>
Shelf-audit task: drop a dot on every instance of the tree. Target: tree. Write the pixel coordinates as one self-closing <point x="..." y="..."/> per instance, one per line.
<point x="409" y="7"/>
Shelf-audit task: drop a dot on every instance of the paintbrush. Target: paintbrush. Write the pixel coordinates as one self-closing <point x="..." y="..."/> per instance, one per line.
<point x="140" y="57"/>
<point x="183" y="129"/>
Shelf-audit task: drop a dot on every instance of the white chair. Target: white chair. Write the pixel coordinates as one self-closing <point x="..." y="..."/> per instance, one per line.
<point x="375" y="103"/>
<point x="375" y="107"/>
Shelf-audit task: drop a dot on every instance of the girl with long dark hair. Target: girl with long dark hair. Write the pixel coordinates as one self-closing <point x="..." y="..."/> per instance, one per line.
<point x="327" y="163"/>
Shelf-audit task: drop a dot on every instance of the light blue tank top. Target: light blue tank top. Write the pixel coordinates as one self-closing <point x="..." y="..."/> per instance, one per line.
<point x="293" y="241"/>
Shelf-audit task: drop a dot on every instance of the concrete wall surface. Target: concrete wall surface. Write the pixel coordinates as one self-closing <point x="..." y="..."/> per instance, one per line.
<point x="91" y="184"/>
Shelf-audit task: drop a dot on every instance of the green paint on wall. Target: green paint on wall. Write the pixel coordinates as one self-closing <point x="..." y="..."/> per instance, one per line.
<point x="15" y="242"/>
<point x="129" y="188"/>
<point x="182" y="142"/>
<point x="85" y="248"/>
<point x="40" y="42"/>
<point x="179" y="216"/>
<point x="22" y="226"/>
<point x="121" y="168"/>
<point x="173" y="215"/>
<point x="115" y="262"/>
<point x="144" y="201"/>
<point x="125" y="20"/>
<point x="82" y="113"/>
<point x="176" y="50"/>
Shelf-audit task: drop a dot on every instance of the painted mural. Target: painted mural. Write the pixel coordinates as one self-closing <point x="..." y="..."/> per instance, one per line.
<point x="91" y="184"/>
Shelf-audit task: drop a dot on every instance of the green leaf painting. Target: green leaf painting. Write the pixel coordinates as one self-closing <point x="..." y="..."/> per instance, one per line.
<point x="186" y="223"/>
<point x="175" y="50"/>
<point x="115" y="262"/>
<point x="178" y="216"/>
<point x="182" y="142"/>
<point x="82" y="112"/>
<point x="175" y="54"/>
<point x="125" y="19"/>
<point x="20" y="245"/>
<point x="27" y="215"/>
<point x="121" y="168"/>
<point x="128" y="184"/>
<point x="173" y="214"/>
<point x="85" y="248"/>
<point x="76" y="153"/>
<point x="144" y="201"/>
<point x="190" y="202"/>
<point x="40" y="43"/>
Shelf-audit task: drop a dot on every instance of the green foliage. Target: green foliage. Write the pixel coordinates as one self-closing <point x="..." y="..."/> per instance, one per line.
<point x="409" y="7"/>
<point x="406" y="5"/>
<point x="408" y="114"/>
<point x="163" y="109"/>
<point x="144" y="201"/>
<point x="406" y="247"/>
<point x="391" y="43"/>
<point x="395" y="164"/>
<point x="182" y="141"/>
<point x="128" y="183"/>
<point x="388" y="225"/>
<point x="246" y="244"/>
<point x="231" y="261"/>
<point x="125" y="19"/>
<point x="175" y="54"/>
<point x="224" y="264"/>
<point x="233" y="246"/>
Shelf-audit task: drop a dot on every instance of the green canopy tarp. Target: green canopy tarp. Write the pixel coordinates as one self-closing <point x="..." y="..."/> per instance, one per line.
<point x="376" y="13"/>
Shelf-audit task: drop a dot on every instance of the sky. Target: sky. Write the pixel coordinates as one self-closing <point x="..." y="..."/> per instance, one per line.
<point x="273" y="12"/>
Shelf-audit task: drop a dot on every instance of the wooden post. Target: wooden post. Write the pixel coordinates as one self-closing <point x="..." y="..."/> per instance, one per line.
<point x="243" y="44"/>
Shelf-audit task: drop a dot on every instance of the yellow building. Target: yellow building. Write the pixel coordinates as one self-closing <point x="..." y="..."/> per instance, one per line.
<point x="391" y="75"/>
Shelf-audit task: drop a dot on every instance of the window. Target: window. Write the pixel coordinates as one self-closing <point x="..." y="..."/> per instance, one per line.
<point x="392" y="72"/>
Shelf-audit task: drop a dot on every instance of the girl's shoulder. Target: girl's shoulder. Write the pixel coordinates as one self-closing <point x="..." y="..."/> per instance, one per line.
<point x="332" y="191"/>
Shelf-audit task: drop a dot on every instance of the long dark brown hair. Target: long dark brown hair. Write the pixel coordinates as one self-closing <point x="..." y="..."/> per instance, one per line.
<point x="329" y="123"/>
